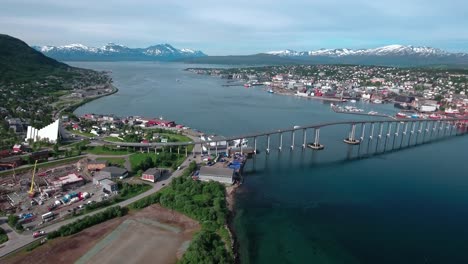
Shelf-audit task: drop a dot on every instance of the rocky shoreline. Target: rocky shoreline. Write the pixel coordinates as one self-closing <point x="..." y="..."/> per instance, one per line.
<point x="230" y="200"/>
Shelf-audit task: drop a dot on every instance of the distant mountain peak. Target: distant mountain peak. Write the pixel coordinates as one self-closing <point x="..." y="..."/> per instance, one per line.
<point x="113" y="51"/>
<point x="389" y="50"/>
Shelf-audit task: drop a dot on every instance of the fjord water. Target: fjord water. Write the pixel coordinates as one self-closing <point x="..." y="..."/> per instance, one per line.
<point x="341" y="205"/>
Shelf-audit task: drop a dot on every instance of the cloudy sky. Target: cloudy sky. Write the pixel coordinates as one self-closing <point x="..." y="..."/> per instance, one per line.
<point x="220" y="27"/>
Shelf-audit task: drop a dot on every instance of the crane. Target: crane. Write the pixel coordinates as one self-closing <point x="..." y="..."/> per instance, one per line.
<point x="31" y="190"/>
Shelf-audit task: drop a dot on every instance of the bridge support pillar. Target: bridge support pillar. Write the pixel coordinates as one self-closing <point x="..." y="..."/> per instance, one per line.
<point x="281" y="141"/>
<point x="216" y="148"/>
<point x="351" y="138"/>
<point x="363" y="129"/>
<point x="186" y="151"/>
<point x="292" y="139"/>
<point x="371" y="136"/>
<point x="316" y="145"/>
<point x="268" y="144"/>
<point x="255" y="145"/>
<point x="404" y="134"/>
<point x="395" y="136"/>
<point x="304" y="138"/>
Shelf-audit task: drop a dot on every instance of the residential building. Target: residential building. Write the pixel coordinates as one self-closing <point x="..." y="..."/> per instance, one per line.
<point x="153" y="174"/>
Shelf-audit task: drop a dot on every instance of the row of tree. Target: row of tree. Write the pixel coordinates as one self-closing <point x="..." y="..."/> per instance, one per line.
<point x="88" y="221"/>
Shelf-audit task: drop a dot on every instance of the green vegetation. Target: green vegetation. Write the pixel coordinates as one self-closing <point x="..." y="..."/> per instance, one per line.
<point x="88" y="221"/>
<point x="32" y="85"/>
<point x="144" y="161"/>
<point x="205" y="202"/>
<point x="34" y="245"/>
<point x="113" y="139"/>
<point x="3" y="236"/>
<point x="206" y="247"/>
<point x="106" y="150"/>
<point x="13" y="222"/>
<point x="114" y="161"/>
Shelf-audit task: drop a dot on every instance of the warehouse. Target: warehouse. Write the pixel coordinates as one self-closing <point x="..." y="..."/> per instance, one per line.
<point x="114" y="172"/>
<point x="223" y="175"/>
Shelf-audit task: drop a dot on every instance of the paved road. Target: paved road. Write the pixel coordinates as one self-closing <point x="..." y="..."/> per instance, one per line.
<point x="17" y="241"/>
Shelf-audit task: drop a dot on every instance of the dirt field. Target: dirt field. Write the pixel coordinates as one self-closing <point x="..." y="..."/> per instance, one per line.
<point x="152" y="235"/>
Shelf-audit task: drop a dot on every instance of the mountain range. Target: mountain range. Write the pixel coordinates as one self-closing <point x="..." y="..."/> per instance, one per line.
<point x="392" y="55"/>
<point x="116" y="52"/>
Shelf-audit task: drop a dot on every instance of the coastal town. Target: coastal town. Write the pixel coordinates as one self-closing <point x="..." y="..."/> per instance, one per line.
<point x="419" y="92"/>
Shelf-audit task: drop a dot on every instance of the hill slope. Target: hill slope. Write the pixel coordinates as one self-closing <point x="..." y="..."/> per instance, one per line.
<point x="19" y="62"/>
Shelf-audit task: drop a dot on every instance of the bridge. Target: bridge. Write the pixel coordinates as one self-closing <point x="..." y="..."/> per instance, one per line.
<point x="359" y="130"/>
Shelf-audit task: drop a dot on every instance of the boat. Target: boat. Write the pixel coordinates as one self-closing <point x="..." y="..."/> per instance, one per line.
<point x="401" y="115"/>
<point x="270" y="91"/>
<point x="296" y="127"/>
<point x="352" y="101"/>
<point x="377" y="101"/>
<point x="247" y="85"/>
<point x="372" y="113"/>
<point x="435" y="116"/>
<point x="414" y="116"/>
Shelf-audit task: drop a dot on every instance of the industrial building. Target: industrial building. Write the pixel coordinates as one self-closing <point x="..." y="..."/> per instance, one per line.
<point x="222" y="175"/>
<point x="68" y="182"/>
<point x="153" y="174"/>
<point x="113" y="172"/>
<point x="109" y="185"/>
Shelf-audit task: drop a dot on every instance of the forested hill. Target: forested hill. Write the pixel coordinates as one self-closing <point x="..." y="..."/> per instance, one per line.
<point x="21" y="63"/>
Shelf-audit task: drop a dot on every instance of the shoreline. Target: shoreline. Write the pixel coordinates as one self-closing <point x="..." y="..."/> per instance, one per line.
<point x="230" y="201"/>
<point x="72" y="108"/>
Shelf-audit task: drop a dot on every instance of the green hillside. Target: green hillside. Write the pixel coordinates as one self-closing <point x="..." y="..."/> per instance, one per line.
<point x="21" y="63"/>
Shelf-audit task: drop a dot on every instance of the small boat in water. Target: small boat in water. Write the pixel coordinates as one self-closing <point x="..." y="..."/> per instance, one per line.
<point x="377" y="101"/>
<point x="352" y="101"/>
<point x="435" y="116"/>
<point x="401" y="115"/>
<point x="247" y="85"/>
<point x="271" y="91"/>
<point x="414" y="116"/>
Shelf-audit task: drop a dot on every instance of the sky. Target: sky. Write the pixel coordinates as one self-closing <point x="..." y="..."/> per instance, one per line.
<point x="220" y="27"/>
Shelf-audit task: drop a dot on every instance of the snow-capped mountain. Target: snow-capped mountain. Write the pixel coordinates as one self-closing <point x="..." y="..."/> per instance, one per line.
<point x="387" y="55"/>
<point x="112" y="51"/>
<point x="391" y="50"/>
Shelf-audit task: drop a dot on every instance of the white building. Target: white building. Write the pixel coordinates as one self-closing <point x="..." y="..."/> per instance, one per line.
<point x="223" y="175"/>
<point x="49" y="133"/>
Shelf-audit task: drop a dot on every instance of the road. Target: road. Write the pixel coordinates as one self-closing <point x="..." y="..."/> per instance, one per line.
<point x="17" y="241"/>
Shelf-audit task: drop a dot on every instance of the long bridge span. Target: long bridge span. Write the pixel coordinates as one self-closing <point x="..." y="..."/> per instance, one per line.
<point x="359" y="130"/>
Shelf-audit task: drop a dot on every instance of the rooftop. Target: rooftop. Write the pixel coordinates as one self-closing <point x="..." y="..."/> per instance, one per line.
<point x="153" y="171"/>
<point x="114" y="170"/>
<point x="216" y="172"/>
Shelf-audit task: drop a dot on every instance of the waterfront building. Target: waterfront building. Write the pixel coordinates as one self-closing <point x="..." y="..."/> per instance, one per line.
<point x="222" y="175"/>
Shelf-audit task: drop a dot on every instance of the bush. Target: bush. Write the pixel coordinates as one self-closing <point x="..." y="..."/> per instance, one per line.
<point x="206" y="247"/>
<point x="3" y="236"/>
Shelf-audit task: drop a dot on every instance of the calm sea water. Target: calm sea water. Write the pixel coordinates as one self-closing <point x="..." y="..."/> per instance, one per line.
<point x="341" y="205"/>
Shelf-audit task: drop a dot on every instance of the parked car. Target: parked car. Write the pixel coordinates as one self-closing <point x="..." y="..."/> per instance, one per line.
<point x="38" y="234"/>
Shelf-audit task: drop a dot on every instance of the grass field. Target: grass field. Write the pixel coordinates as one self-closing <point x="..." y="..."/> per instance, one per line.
<point x="113" y="139"/>
<point x="100" y="150"/>
<point x="114" y="161"/>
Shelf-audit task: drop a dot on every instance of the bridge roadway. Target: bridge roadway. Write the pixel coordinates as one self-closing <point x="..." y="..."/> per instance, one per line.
<point x="280" y="131"/>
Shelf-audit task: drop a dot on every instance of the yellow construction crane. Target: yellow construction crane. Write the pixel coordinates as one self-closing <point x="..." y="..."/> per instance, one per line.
<point x="31" y="191"/>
